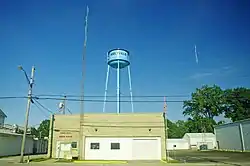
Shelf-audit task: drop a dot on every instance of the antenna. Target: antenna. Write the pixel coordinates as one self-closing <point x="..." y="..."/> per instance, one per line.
<point x="82" y="85"/>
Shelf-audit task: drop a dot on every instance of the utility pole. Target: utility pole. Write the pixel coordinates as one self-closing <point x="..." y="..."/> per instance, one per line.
<point x="30" y="82"/>
<point x="64" y="106"/>
<point x="166" y="125"/>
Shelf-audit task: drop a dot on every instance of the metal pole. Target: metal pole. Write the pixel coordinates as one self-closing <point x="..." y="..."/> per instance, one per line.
<point x="64" y="104"/>
<point x="40" y="141"/>
<point x="106" y="89"/>
<point x="80" y="148"/>
<point x="242" y="138"/>
<point x="27" y="113"/>
<point x="130" y="89"/>
<point x="118" y="87"/>
<point x="50" y="141"/>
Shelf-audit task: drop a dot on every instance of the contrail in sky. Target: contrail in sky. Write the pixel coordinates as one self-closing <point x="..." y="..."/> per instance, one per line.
<point x="196" y="54"/>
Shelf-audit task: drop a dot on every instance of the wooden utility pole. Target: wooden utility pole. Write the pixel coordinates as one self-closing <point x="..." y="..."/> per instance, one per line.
<point x="30" y="82"/>
<point x="165" y="125"/>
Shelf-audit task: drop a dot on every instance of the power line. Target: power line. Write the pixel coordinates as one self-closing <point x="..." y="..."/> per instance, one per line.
<point x="139" y="96"/>
<point x="13" y="97"/>
<point x="94" y="100"/>
<point x="86" y="100"/>
<point x="69" y="110"/>
<point x="98" y="100"/>
<point x="41" y="110"/>
<point x="43" y="106"/>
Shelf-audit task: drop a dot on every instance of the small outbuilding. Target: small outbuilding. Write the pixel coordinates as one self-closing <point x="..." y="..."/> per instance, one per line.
<point x="177" y="144"/>
<point x="195" y="140"/>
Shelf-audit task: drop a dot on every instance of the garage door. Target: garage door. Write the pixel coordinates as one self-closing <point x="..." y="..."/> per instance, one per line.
<point x="122" y="148"/>
<point x="146" y="149"/>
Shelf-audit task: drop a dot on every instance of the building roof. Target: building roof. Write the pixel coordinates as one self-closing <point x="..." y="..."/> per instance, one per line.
<point x="198" y="135"/>
<point x="13" y="134"/>
<point x="232" y="123"/>
<point x="2" y="114"/>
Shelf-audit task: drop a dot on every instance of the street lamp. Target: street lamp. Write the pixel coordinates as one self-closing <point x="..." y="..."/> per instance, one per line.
<point x="30" y="82"/>
<point x="25" y="73"/>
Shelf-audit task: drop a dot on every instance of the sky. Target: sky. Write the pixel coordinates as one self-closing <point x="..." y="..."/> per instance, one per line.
<point x="160" y="36"/>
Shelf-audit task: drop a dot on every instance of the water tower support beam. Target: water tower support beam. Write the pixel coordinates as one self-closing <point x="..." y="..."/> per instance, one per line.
<point x="118" y="88"/>
<point x="106" y="89"/>
<point x="130" y="89"/>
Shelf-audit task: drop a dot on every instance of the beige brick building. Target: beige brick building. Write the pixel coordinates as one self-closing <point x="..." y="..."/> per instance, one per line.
<point x="125" y="136"/>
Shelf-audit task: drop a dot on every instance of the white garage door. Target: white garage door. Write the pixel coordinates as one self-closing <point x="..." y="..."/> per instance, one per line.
<point x="122" y="148"/>
<point x="146" y="149"/>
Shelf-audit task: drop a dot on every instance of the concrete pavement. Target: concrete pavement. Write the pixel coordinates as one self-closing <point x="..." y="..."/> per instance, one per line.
<point x="13" y="161"/>
<point x="216" y="157"/>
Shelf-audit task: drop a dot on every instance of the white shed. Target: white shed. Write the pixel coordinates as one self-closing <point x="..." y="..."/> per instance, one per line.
<point x="177" y="144"/>
<point x="197" y="139"/>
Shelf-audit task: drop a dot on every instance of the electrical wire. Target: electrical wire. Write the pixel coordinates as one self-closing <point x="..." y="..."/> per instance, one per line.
<point x="69" y="110"/>
<point x="100" y="100"/>
<point x="13" y="97"/>
<point x="43" y="106"/>
<point x="41" y="110"/>
<point x="94" y="100"/>
<point x="139" y="96"/>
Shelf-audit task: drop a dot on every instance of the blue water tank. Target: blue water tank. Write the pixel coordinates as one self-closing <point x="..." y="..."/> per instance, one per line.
<point x="118" y="56"/>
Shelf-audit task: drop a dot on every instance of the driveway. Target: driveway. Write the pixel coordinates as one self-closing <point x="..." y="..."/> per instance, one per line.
<point x="219" y="157"/>
<point x="192" y="158"/>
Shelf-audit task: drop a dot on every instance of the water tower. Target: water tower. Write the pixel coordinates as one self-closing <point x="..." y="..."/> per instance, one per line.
<point x="118" y="59"/>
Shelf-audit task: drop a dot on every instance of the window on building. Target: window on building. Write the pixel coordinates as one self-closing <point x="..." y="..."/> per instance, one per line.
<point x="115" y="146"/>
<point x="74" y="145"/>
<point x="95" y="145"/>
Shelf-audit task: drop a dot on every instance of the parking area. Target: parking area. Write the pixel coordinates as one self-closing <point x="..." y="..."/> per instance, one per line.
<point x="185" y="157"/>
<point x="216" y="157"/>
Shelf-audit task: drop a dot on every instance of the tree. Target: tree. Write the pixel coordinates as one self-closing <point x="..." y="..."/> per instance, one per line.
<point x="43" y="129"/>
<point x="237" y="104"/>
<point x="176" y="130"/>
<point x="206" y="103"/>
<point x="34" y="132"/>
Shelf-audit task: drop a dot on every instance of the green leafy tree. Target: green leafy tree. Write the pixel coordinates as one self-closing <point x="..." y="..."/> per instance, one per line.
<point x="205" y="104"/>
<point x="34" y="131"/>
<point x="182" y="128"/>
<point x="176" y="130"/>
<point x="43" y="129"/>
<point x="237" y="103"/>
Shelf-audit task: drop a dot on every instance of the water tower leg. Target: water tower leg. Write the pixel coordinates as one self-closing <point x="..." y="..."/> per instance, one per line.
<point x="118" y="88"/>
<point x="130" y="89"/>
<point x="106" y="89"/>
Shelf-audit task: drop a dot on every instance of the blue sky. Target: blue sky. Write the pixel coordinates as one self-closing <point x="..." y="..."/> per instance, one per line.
<point x="160" y="36"/>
